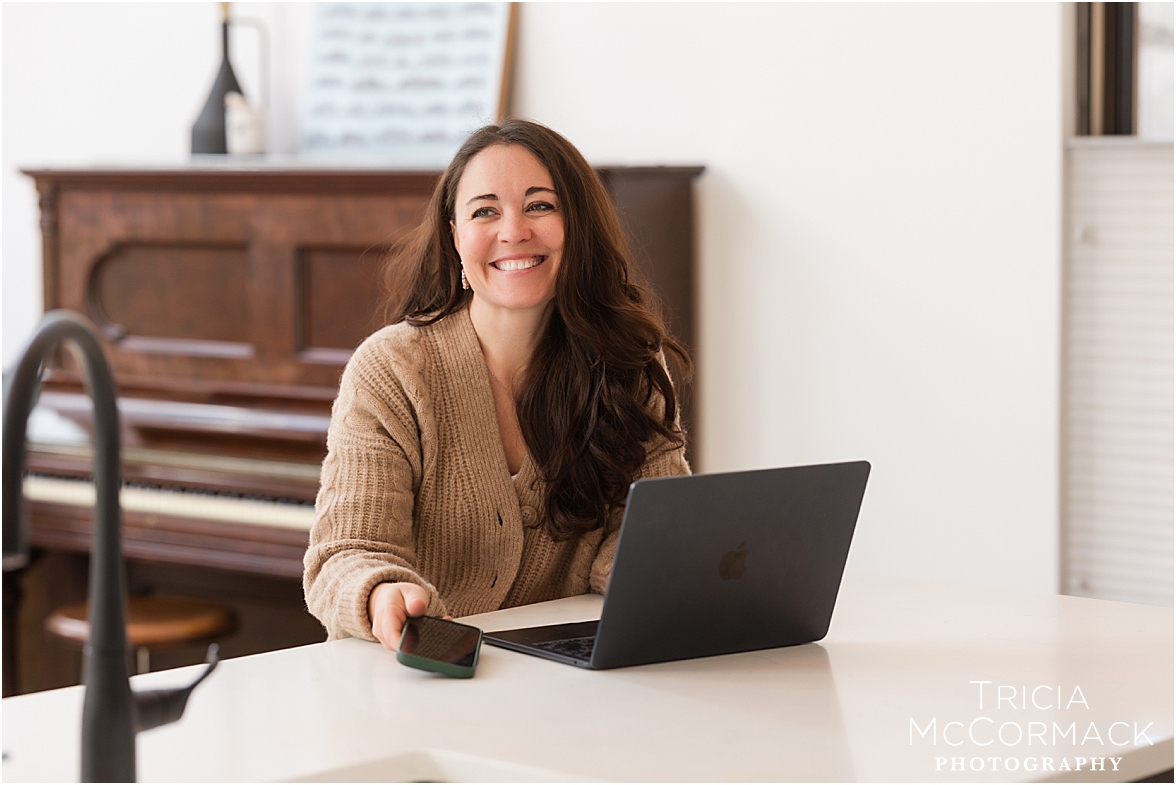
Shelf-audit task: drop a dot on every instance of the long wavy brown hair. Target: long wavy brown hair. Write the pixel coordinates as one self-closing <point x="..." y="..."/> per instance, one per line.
<point x="596" y="391"/>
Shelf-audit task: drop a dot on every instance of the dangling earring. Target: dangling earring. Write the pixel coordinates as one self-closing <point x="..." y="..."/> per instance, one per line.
<point x="465" y="283"/>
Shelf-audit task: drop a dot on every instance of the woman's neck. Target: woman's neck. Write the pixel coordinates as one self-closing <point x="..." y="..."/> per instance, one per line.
<point x="508" y="336"/>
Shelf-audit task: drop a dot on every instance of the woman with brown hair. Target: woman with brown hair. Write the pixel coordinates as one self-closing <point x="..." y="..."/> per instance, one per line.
<point x="482" y="446"/>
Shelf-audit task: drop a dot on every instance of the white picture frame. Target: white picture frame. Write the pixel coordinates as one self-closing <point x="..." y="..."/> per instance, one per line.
<point x="405" y="83"/>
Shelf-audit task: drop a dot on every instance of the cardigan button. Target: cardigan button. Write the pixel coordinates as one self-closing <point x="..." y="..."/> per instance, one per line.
<point x="529" y="514"/>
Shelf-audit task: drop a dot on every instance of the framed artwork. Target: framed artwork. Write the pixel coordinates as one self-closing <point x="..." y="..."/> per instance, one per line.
<point x="405" y="83"/>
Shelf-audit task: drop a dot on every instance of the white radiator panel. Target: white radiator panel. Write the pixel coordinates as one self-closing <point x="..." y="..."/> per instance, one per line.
<point x="1118" y="384"/>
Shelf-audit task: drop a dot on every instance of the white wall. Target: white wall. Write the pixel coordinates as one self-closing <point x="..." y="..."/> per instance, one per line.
<point x="879" y="222"/>
<point x="879" y="245"/>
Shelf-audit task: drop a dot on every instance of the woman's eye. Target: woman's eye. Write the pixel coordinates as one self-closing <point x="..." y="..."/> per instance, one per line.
<point x="482" y="212"/>
<point x="542" y="207"/>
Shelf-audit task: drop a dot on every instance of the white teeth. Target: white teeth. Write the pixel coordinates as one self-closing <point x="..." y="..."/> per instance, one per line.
<point x="518" y="264"/>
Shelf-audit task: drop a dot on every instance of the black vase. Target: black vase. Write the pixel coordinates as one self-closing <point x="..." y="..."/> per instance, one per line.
<point x="208" y="134"/>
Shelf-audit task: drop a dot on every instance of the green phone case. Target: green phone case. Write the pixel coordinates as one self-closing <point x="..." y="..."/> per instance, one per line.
<point x="437" y="666"/>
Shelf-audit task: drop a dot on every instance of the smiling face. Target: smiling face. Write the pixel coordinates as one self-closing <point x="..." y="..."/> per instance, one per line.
<point x="508" y="228"/>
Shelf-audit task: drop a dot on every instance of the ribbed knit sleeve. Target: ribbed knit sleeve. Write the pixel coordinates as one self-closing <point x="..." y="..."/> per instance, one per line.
<point x="362" y="534"/>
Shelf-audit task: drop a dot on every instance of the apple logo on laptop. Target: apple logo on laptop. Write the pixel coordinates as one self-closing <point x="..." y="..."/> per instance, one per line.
<point x="732" y="566"/>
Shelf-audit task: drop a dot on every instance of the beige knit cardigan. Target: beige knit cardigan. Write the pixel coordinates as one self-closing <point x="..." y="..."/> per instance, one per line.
<point x="415" y="487"/>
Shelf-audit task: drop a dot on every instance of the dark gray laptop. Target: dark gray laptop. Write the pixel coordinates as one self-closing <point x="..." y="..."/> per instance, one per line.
<point x="714" y="564"/>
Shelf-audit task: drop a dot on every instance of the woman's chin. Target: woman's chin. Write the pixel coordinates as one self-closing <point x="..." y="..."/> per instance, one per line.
<point x="517" y="301"/>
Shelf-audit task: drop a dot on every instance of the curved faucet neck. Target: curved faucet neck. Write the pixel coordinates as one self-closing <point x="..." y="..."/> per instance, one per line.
<point x="108" y="736"/>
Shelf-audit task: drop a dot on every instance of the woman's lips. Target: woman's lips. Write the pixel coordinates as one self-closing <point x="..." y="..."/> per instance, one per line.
<point x="514" y="265"/>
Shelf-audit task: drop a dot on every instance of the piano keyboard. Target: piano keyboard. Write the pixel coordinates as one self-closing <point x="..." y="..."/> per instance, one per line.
<point x="207" y="505"/>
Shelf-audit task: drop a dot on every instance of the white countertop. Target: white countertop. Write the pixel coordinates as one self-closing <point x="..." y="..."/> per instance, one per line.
<point x="897" y="651"/>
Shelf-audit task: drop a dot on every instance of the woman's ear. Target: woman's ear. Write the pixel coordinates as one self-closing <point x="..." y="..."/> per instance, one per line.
<point x="453" y="233"/>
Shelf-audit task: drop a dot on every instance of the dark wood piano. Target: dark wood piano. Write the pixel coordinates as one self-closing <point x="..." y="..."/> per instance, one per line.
<point x="230" y="298"/>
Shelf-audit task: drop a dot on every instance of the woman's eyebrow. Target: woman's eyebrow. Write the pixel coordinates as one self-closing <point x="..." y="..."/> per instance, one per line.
<point x="534" y="189"/>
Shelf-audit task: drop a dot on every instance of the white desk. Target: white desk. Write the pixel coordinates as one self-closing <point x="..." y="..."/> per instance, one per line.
<point x="840" y="710"/>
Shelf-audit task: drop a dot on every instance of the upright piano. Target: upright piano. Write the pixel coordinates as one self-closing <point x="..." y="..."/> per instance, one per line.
<point x="230" y="297"/>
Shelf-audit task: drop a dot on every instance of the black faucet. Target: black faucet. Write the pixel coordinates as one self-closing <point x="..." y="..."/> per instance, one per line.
<point x="112" y="714"/>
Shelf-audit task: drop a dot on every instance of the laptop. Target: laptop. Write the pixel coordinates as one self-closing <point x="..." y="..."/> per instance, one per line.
<point x="712" y="564"/>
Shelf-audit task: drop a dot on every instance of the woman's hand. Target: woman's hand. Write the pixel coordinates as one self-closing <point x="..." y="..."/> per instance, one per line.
<point x="390" y="605"/>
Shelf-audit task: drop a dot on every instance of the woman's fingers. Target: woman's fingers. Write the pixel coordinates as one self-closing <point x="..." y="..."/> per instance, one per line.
<point x="416" y="599"/>
<point x="390" y="605"/>
<point x="382" y="607"/>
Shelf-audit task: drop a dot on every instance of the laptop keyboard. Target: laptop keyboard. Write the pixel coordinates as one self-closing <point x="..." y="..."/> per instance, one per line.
<point x="576" y="648"/>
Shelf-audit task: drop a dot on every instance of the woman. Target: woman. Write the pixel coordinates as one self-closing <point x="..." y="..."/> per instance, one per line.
<point x="482" y="446"/>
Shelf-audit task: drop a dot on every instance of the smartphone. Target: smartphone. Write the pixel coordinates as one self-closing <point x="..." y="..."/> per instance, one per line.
<point x="441" y="646"/>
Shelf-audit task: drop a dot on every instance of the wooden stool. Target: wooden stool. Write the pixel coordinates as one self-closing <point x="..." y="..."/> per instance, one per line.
<point x="152" y="623"/>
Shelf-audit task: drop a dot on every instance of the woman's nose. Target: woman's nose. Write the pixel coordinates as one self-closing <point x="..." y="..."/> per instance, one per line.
<point x="513" y="228"/>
